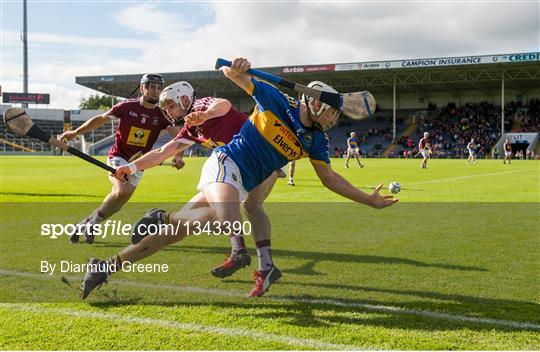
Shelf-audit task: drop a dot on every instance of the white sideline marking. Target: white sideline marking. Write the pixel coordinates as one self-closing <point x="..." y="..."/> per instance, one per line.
<point x="331" y="302"/>
<point x="171" y="324"/>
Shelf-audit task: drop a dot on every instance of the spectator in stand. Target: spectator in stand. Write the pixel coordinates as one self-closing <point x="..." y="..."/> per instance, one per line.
<point x="495" y="153"/>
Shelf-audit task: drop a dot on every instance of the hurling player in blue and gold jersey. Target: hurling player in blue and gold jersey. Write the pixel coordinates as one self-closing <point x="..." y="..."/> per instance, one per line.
<point x="281" y="129"/>
<point x="353" y="148"/>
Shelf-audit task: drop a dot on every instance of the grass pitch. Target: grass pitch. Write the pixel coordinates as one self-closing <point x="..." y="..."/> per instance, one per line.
<point x="453" y="265"/>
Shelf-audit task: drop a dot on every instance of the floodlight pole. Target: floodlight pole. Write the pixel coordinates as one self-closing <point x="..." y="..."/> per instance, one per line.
<point x="502" y="105"/>
<point x="394" y="113"/>
<point x="25" y="52"/>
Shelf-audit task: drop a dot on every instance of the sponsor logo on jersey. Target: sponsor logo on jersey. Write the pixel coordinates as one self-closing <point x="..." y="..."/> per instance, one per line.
<point x="278" y="135"/>
<point x="138" y="136"/>
<point x="209" y="143"/>
<point x="133" y="113"/>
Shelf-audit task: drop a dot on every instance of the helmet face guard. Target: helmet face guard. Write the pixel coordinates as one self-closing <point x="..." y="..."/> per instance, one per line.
<point x="163" y="106"/>
<point x="325" y="122"/>
<point x="320" y="122"/>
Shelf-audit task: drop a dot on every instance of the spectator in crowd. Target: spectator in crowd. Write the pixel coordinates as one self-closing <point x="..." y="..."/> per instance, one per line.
<point x="495" y="153"/>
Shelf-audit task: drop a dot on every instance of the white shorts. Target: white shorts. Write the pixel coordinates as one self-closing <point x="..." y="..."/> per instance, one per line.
<point x="117" y="161"/>
<point x="220" y="168"/>
<point x="282" y="173"/>
<point x="508" y="154"/>
<point x="472" y="153"/>
<point x="354" y="151"/>
<point x="425" y="153"/>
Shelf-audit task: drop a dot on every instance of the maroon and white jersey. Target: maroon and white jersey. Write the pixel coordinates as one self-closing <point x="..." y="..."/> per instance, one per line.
<point x="213" y="132"/>
<point x="138" y="128"/>
<point x="424" y="143"/>
<point x="507" y="147"/>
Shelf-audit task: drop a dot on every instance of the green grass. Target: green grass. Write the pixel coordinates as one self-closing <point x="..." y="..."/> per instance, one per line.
<point x="462" y="243"/>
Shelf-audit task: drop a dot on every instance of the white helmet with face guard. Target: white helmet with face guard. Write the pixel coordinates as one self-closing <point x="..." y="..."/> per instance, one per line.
<point x="316" y="112"/>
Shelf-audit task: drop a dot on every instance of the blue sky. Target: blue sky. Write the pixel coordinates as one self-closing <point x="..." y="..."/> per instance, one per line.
<point x="78" y="38"/>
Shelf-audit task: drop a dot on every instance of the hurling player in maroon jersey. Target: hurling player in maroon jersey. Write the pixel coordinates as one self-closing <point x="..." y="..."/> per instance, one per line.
<point x="424" y="148"/>
<point x="140" y="121"/>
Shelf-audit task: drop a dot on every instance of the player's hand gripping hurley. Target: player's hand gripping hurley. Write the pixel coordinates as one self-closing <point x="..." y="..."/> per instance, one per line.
<point x="17" y="121"/>
<point x="357" y="105"/>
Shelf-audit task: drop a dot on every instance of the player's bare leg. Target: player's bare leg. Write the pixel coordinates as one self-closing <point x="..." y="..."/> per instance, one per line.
<point x="175" y="231"/>
<point x="347" y="159"/>
<point x="292" y="167"/>
<point x="113" y="202"/>
<point x="424" y="163"/>
<point x="224" y="199"/>
<point x="197" y="201"/>
<point x="267" y="273"/>
<point x="358" y="160"/>
<point x="159" y="216"/>
<point x="253" y="207"/>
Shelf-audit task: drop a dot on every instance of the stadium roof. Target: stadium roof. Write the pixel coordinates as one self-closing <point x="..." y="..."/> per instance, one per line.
<point x="446" y="74"/>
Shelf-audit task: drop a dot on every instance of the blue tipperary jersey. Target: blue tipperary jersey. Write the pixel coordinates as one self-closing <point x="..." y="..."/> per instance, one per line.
<point x="273" y="136"/>
<point x="354" y="142"/>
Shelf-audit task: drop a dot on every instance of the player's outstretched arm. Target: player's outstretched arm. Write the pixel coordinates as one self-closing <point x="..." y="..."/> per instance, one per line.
<point x="151" y="159"/>
<point x="237" y="73"/>
<point x="336" y="183"/>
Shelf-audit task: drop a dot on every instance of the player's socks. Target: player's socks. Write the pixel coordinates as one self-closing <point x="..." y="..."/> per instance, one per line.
<point x="264" y="253"/>
<point x="114" y="264"/>
<point x="96" y="217"/>
<point x="238" y="244"/>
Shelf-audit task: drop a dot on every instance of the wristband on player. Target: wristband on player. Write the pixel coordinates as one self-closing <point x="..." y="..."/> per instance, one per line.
<point x="132" y="168"/>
